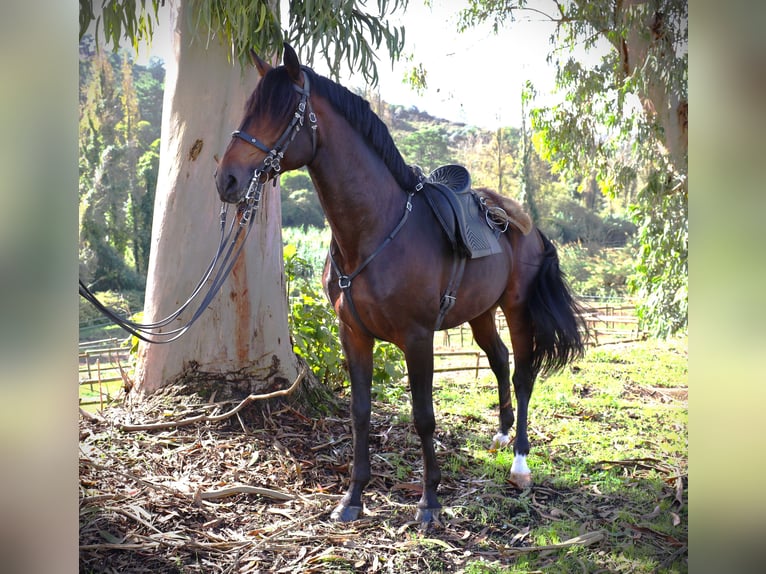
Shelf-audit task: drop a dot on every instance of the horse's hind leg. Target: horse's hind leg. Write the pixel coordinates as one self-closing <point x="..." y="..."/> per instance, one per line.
<point x="358" y="351"/>
<point x="523" y="383"/>
<point x="486" y="336"/>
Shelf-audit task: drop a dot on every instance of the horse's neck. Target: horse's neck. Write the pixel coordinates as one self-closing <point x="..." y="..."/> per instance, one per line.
<point x="360" y="197"/>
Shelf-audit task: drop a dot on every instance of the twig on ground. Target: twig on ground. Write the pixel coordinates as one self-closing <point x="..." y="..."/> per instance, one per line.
<point x="91" y="416"/>
<point x="583" y="540"/>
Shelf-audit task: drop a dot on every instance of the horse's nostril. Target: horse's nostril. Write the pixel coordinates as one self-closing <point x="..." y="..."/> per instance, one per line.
<point x="228" y="186"/>
<point x="232" y="187"/>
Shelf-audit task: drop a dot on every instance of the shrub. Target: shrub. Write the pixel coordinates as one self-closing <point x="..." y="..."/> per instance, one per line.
<point x="314" y="329"/>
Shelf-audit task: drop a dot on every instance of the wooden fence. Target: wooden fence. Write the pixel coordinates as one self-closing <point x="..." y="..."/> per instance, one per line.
<point x="99" y="364"/>
<point x="610" y="321"/>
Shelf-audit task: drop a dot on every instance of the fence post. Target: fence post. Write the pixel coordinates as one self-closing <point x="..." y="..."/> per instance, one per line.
<point x="87" y="362"/>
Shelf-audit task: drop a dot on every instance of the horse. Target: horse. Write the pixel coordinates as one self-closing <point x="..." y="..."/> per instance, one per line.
<point x="387" y="245"/>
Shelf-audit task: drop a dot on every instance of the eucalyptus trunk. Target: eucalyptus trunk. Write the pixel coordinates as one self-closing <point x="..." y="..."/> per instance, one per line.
<point x="243" y="337"/>
<point x="661" y="101"/>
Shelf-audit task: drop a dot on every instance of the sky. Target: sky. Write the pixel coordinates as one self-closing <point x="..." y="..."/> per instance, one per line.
<point x="474" y="77"/>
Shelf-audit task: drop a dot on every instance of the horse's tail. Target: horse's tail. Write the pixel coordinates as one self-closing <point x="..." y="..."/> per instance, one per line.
<point x="560" y="331"/>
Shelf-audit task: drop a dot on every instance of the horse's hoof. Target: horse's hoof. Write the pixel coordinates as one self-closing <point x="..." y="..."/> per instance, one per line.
<point x="521" y="479"/>
<point x="428" y="516"/>
<point x="344" y="513"/>
<point x="499" y="441"/>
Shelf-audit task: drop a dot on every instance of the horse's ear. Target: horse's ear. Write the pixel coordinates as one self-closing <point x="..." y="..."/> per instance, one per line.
<point x="261" y="66"/>
<point x="293" y="65"/>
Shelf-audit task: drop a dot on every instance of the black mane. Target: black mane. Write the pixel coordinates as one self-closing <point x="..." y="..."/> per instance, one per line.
<point x="270" y="97"/>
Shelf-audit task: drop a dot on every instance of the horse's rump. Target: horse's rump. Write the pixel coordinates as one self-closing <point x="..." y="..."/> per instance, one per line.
<point x="514" y="212"/>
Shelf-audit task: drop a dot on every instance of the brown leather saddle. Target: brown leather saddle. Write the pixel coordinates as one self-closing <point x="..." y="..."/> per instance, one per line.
<point x="459" y="212"/>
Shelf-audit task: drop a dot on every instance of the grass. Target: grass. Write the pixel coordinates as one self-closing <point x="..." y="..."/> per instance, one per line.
<point x="609" y="436"/>
<point x="609" y="463"/>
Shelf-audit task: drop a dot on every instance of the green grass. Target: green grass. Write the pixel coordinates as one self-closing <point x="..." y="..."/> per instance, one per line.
<point x="89" y="398"/>
<point x="609" y="437"/>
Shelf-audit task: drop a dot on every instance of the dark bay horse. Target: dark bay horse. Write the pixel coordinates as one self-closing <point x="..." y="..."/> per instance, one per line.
<point x="387" y="244"/>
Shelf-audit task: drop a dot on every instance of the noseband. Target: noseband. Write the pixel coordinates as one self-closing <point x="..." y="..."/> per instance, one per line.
<point x="271" y="164"/>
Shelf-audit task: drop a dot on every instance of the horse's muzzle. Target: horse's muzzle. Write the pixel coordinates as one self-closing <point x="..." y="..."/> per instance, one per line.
<point x="231" y="186"/>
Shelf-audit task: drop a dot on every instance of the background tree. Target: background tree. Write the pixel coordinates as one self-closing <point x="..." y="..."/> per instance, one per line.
<point x="504" y="152"/>
<point x="428" y="147"/>
<point x="300" y="204"/>
<point x="118" y="165"/>
<point x="621" y="120"/>
<point x="528" y="186"/>
<point x="243" y="338"/>
<point x="104" y="228"/>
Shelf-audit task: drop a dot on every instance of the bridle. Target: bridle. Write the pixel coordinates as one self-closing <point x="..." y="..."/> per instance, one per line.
<point x="271" y="165"/>
<point x="269" y="168"/>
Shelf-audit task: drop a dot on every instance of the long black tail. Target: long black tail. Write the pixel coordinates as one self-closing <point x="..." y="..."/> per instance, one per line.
<point x="560" y="331"/>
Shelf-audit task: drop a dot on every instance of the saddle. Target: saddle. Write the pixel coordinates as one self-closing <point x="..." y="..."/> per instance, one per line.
<point x="460" y="213"/>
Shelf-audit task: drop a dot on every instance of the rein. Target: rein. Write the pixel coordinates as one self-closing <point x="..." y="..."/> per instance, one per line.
<point x="150" y="332"/>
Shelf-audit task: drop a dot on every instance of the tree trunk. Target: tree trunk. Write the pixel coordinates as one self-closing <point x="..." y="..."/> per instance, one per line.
<point x="659" y="101"/>
<point x="243" y="338"/>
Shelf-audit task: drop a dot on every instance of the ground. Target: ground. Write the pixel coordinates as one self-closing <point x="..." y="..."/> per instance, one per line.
<point x="254" y="492"/>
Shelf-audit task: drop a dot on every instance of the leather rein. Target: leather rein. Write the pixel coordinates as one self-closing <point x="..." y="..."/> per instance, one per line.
<point x="151" y="332"/>
<point x="270" y="167"/>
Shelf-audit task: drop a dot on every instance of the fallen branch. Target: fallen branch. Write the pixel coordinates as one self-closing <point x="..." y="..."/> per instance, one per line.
<point x="647" y="463"/>
<point x="245" y="489"/>
<point x="93" y="417"/>
<point x="118" y="546"/>
<point x="583" y="540"/>
<point x="215" y="418"/>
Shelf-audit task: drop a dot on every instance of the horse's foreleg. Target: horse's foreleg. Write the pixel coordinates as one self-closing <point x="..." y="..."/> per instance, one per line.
<point x="358" y="351"/>
<point x="486" y="336"/>
<point x="420" y="367"/>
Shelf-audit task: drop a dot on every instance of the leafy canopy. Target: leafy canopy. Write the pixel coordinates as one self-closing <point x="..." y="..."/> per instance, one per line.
<point x="342" y="30"/>
<point x="622" y="121"/>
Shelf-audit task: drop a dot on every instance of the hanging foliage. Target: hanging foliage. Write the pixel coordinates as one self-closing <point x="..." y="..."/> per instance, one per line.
<point x="342" y="31"/>
<point x="621" y="122"/>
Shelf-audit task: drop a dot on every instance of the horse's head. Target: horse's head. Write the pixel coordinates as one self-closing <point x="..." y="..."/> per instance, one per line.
<point x="272" y="137"/>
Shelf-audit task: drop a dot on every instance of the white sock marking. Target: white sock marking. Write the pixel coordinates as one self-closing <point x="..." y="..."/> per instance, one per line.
<point x="520" y="465"/>
<point x="500" y="440"/>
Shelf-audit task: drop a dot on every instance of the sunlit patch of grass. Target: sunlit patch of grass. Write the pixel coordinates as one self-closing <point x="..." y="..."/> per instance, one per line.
<point x="603" y="440"/>
<point x="483" y="567"/>
<point x="555" y="532"/>
<point x="605" y="433"/>
<point x="476" y="399"/>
